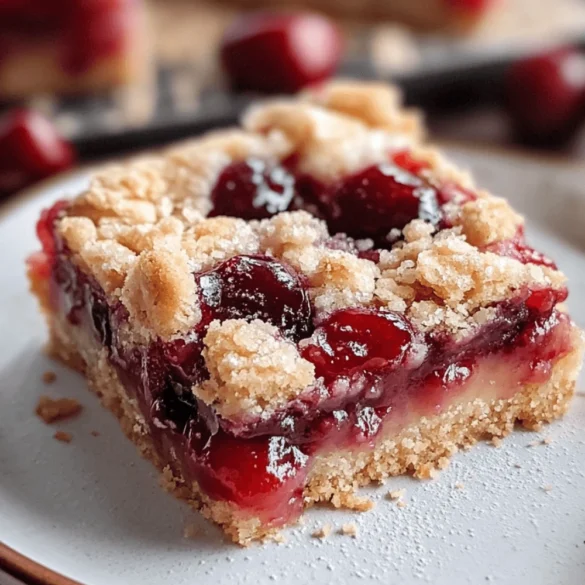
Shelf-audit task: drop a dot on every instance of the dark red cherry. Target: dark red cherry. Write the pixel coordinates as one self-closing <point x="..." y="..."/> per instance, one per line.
<point x="257" y="287"/>
<point x="30" y="149"/>
<point x="545" y="95"/>
<point x="264" y="473"/>
<point x="353" y="340"/>
<point x="252" y="189"/>
<point x="280" y="52"/>
<point x="372" y="202"/>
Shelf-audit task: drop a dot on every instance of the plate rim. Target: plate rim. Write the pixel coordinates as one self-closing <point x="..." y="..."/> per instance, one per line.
<point x="31" y="572"/>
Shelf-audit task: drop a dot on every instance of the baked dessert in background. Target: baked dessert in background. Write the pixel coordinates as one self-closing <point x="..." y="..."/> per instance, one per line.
<point x="283" y="312"/>
<point x="454" y="15"/>
<point x="70" y="46"/>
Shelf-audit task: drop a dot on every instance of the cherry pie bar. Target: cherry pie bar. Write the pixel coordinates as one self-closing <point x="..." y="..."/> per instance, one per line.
<point x="69" y="46"/>
<point x="281" y="313"/>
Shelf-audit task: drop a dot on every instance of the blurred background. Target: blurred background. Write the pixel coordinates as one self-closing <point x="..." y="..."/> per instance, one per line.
<point x="87" y="79"/>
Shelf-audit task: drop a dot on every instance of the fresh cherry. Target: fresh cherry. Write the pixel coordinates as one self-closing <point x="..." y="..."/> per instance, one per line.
<point x="30" y="149"/>
<point x="354" y="340"/>
<point x="545" y="95"/>
<point x="252" y="189"/>
<point x="372" y="202"/>
<point x="257" y="287"/>
<point x="280" y="52"/>
<point x="93" y="29"/>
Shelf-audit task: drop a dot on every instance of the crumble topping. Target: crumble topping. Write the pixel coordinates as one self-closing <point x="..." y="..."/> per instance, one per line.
<point x="140" y="230"/>
<point x="487" y="220"/>
<point x="342" y="280"/>
<point x="52" y="410"/>
<point x="252" y="368"/>
<point x="218" y="238"/>
<point x="160" y="293"/>
<point x="376" y="104"/>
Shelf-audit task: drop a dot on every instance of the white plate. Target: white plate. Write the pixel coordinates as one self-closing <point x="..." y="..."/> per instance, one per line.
<point x="92" y="509"/>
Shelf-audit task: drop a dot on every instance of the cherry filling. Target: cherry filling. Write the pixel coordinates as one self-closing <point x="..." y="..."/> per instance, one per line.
<point x="359" y="340"/>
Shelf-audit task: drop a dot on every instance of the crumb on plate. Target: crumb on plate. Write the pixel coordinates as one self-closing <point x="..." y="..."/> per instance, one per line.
<point x="63" y="436"/>
<point x="51" y="410"/>
<point x="49" y="377"/>
<point x="322" y="532"/>
<point x="349" y="529"/>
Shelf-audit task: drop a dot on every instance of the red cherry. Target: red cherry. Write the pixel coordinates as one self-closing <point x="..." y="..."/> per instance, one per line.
<point x="30" y="149"/>
<point x="264" y="473"/>
<point x="257" y="287"/>
<point x="354" y="340"/>
<point x="372" y="202"/>
<point x="545" y="95"/>
<point x="280" y="52"/>
<point x="252" y="190"/>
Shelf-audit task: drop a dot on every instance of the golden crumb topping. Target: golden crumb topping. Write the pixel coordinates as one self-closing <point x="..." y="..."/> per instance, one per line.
<point x="141" y="228"/>
<point x="252" y="368"/>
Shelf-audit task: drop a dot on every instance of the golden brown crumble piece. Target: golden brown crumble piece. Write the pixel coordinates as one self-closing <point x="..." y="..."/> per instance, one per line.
<point x="322" y="532"/>
<point x="49" y="377"/>
<point x="51" y="410"/>
<point x="349" y="529"/>
<point x="63" y="436"/>
<point x="252" y="368"/>
<point x="396" y="494"/>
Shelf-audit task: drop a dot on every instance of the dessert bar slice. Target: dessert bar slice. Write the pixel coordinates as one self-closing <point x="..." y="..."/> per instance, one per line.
<point x="69" y="47"/>
<point x="281" y="313"/>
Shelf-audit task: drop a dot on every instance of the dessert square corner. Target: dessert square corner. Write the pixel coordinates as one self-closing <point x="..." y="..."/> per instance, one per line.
<point x="282" y="312"/>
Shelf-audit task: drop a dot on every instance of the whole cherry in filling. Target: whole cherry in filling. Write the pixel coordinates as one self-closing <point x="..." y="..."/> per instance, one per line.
<point x="254" y="473"/>
<point x="354" y="340"/>
<point x="252" y="189"/>
<point x="380" y="198"/>
<point x="256" y="287"/>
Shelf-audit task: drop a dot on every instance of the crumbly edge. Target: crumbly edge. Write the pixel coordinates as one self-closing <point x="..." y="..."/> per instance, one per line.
<point x="141" y="231"/>
<point x="419" y="449"/>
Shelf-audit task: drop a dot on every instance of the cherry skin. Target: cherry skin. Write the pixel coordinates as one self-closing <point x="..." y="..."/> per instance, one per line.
<point x="252" y="189"/>
<point x="355" y="340"/>
<point x="545" y="96"/>
<point x="380" y="198"/>
<point x="257" y="287"/>
<point x="30" y="149"/>
<point x="280" y="52"/>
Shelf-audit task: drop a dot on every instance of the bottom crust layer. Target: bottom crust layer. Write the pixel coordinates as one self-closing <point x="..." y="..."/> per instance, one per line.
<point x="419" y="449"/>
